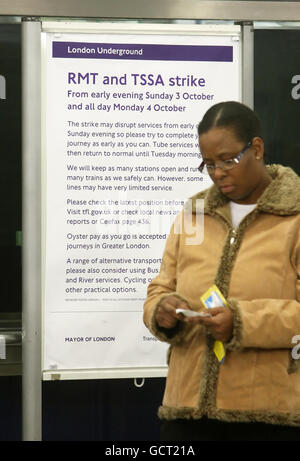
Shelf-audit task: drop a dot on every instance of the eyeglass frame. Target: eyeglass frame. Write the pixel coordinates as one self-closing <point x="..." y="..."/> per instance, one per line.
<point x="237" y="158"/>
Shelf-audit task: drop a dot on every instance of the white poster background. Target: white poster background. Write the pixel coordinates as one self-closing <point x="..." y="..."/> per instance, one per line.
<point x="121" y="158"/>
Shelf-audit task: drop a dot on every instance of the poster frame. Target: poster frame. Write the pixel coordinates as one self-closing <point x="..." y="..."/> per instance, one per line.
<point x="246" y="81"/>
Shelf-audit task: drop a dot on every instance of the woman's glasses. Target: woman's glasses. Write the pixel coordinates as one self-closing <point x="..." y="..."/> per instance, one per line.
<point x="224" y="165"/>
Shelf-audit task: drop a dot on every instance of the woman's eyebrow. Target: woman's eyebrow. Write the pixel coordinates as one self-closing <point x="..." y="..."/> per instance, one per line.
<point x="218" y="155"/>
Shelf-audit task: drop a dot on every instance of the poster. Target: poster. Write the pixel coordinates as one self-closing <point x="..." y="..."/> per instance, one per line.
<point x="121" y="158"/>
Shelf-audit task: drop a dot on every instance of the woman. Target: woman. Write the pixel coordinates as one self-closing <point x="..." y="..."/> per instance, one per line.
<point x="251" y="251"/>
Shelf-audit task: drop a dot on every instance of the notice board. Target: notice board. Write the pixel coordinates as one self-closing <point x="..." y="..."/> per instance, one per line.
<point x="120" y="157"/>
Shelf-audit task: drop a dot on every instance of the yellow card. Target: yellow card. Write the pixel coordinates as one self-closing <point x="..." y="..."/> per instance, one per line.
<point x="214" y="298"/>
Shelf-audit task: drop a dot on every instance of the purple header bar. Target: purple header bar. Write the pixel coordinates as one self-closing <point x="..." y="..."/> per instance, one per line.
<point x="142" y="51"/>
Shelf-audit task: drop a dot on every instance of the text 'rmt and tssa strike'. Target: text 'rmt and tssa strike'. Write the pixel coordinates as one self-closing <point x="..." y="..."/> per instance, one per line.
<point x="93" y="78"/>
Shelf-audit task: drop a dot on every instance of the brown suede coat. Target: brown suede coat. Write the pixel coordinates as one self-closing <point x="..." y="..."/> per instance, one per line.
<point x="257" y="268"/>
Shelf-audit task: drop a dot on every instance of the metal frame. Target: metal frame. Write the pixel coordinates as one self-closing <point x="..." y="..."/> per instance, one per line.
<point x="31" y="218"/>
<point x="248" y="64"/>
<point x="156" y="9"/>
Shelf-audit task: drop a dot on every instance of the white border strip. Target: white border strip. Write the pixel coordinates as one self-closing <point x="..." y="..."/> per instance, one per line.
<point x="109" y="373"/>
<point x="141" y="29"/>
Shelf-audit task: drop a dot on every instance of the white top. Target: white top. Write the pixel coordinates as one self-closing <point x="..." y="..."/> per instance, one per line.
<point x="238" y="212"/>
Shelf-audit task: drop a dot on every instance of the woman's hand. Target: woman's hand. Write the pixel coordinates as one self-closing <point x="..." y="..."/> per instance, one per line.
<point x="220" y="324"/>
<point x="166" y="316"/>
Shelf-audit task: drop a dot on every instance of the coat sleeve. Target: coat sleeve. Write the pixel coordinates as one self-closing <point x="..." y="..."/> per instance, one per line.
<point x="162" y="286"/>
<point x="264" y="323"/>
<point x="267" y="323"/>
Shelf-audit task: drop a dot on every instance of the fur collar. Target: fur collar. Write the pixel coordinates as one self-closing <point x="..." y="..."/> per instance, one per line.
<point x="281" y="197"/>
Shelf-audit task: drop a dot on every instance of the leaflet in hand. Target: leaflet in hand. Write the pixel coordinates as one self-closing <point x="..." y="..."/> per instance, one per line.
<point x="189" y="313"/>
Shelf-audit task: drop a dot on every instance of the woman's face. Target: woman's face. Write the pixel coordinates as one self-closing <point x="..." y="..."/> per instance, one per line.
<point x="247" y="180"/>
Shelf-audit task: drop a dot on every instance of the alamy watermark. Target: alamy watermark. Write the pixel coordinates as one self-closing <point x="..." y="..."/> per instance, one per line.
<point x="149" y="218"/>
<point x="2" y="348"/>
<point x="2" y="87"/>
<point x="296" y="349"/>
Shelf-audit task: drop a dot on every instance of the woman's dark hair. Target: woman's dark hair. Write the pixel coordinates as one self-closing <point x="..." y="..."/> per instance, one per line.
<point x="231" y="114"/>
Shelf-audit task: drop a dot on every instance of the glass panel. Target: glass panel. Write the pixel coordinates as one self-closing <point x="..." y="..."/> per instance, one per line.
<point x="277" y="91"/>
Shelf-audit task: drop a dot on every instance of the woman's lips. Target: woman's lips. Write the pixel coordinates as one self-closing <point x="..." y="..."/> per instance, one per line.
<point x="226" y="189"/>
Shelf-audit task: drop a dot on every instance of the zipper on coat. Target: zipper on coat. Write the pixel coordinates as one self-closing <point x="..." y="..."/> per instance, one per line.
<point x="233" y="237"/>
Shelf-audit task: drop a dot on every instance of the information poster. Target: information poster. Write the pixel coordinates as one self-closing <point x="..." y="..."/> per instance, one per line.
<point x="121" y="158"/>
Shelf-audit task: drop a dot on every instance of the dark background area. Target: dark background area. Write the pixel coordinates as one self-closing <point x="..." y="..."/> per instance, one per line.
<point x="276" y="61"/>
<point x="10" y="172"/>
